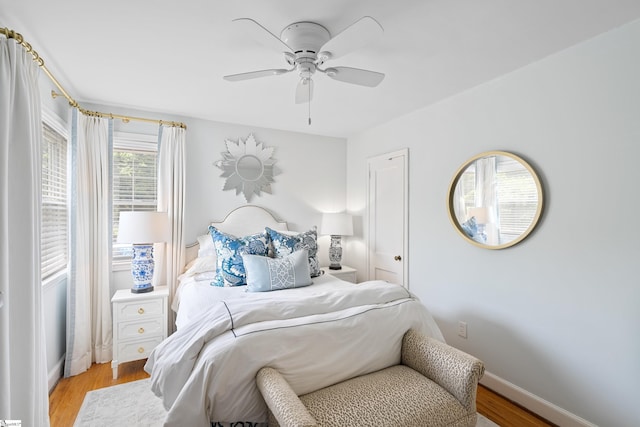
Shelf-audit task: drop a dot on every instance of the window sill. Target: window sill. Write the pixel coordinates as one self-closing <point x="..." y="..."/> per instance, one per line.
<point x="53" y="281"/>
<point x="120" y="265"/>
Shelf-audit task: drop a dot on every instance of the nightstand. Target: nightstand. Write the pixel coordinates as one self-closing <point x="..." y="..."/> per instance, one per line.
<point x="345" y="273"/>
<point x="139" y="324"/>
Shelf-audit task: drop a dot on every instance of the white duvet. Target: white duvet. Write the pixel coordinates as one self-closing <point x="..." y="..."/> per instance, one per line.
<point x="315" y="336"/>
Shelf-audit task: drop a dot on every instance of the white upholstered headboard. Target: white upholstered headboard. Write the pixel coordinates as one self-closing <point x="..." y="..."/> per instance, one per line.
<point x="240" y="222"/>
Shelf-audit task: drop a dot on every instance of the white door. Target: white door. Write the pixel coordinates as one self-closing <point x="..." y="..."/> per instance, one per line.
<point x="388" y="217"/>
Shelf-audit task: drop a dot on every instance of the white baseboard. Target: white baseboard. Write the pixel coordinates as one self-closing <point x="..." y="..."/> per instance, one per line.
<point x="56" y="373"/>
<point x="535" y="404"/>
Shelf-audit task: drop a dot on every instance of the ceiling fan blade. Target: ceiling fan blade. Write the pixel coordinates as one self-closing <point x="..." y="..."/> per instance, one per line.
<point x="261" y="35"/>
<point x="255" y="74"/>
<point x="355" y="36"/>
<point x="355" y="76"/>
<point x="304" y="91"/>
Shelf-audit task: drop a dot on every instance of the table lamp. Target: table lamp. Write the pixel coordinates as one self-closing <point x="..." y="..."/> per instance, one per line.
<point x="142" y="230"/>
<point x="336" y="225"/>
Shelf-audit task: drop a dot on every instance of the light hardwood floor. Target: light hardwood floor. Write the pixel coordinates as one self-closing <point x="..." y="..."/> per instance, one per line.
<point x="67" y="397"/>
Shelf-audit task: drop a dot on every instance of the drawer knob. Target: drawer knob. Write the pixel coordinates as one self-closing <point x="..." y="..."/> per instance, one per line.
<point x="141" y="350"/>
<point x="141" y="310"/>
<point x="141" y="331"/>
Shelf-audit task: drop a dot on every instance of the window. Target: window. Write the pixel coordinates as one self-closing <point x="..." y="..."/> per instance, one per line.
<point x="54" y="216"/>
<point x="134" y="181"/>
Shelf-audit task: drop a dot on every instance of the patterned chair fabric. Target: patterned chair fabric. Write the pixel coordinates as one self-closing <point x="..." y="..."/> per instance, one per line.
<point x="435" y="385"/>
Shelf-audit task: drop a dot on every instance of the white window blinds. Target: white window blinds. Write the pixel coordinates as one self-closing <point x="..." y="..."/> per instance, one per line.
<point x="517" y="198"/>
<point x="54" y="221"/>
<point x="134" y="181"/>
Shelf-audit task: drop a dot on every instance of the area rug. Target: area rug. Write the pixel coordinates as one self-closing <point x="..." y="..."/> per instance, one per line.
<point x="134" y="405"/>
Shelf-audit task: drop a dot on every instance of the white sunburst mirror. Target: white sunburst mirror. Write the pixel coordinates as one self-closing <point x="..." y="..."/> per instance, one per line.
<point x="247" y="166"/>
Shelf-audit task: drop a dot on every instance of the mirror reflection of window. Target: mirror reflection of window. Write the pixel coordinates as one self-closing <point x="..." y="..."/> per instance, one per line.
<point x="517" y="198"/>
<point x="495" y="200"/>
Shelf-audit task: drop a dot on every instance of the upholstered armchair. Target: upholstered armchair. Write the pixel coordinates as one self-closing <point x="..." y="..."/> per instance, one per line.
<point x="435" y="385"/>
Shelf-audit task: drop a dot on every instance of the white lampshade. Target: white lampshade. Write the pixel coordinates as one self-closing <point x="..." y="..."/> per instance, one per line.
<point x="143" y="227"/>
<point x="480" y="213"/>
<point x="337" y="224"/>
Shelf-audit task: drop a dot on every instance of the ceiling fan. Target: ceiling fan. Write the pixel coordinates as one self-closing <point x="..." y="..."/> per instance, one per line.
<point x="307" y="46"/>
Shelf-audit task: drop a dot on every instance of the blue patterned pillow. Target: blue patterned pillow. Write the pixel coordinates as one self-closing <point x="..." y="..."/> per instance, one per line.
<point x="286" y="244"/>
<point x="470" y="227"/>
<point x="272" y="274"/>
<point x="229" y="249"/>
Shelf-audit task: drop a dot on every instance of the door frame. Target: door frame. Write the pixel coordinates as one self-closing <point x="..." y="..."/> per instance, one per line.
<point x="405" y="266"/>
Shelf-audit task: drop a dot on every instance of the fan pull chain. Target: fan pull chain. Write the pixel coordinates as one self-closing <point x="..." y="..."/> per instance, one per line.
<point x="309" y="84"/>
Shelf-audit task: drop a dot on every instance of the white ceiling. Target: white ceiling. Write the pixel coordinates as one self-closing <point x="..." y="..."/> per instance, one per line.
<point x="169" y="56"/>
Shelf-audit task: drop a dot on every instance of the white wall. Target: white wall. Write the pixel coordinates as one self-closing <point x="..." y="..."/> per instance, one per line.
<point x="556" y="315"/>
<point x="311" y="179"/>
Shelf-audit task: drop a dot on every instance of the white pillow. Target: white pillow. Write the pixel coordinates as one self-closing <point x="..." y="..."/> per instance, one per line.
<point x="200" y="265"/>
<point x="207" y="247"/>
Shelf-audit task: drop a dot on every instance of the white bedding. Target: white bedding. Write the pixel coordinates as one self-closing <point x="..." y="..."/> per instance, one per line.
<point x="195" y="296"/>
<point x="315" y="336"/>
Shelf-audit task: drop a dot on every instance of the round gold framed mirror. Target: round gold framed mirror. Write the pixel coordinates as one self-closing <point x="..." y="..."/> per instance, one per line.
<point x="495" y="200"/>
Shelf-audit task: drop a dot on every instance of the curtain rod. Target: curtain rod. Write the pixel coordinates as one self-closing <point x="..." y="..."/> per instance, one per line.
<point x="10" y="34"/>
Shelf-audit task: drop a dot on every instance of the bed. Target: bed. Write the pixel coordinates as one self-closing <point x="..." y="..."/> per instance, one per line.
<point x="319" y="333"/>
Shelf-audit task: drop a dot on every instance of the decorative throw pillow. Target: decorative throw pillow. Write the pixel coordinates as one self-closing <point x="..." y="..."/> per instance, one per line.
<point x="285" y="244"/>
<point x="271" y="274"/>
<point x="470" y="227"/>
<point x="229" y="249"/>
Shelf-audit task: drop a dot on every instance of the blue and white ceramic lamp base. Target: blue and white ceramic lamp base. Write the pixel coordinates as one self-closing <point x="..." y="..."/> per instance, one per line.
<point x="335" y="253"/>
<point x="142" y="268"/>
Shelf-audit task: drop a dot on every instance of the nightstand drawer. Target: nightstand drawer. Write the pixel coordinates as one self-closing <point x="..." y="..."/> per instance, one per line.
<point x="138" y="309"/>
<point x="141" y="328"/>
<point x="139" y="349"/>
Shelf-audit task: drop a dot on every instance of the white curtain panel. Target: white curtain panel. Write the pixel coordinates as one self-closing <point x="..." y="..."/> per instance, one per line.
<point x="89" y="327"/>
<point x="171" y="187"/>
<point x="487" y="195"/>
<point x="23" y="369"/>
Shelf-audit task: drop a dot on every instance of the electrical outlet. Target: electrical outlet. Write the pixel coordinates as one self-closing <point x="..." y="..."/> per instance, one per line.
<point x="462" y="329"/>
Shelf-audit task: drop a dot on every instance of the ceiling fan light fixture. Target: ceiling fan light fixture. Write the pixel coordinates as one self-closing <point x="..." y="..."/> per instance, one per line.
<point x="304" y="91"/>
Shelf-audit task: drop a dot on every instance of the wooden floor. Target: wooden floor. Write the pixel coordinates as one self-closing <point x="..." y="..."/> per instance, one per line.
<point x="67" y="397"/>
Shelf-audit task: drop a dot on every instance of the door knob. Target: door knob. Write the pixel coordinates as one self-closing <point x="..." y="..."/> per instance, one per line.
<point x="397" y="258"/>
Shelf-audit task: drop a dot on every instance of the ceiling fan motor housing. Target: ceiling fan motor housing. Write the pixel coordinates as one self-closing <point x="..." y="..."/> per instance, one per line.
<point x="305" y="38"/>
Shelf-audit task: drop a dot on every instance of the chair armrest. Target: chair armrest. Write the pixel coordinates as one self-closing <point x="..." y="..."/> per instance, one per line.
<point x="283" y="402"/>
<point x="452" y="369"/>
